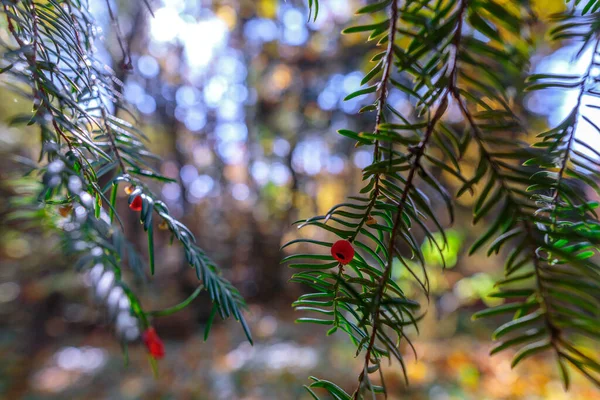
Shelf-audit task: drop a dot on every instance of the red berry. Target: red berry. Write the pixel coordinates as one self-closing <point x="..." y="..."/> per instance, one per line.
<point x="342" y="251"/>
<point x="136" y="204"/>
<point x="155" y="346"/>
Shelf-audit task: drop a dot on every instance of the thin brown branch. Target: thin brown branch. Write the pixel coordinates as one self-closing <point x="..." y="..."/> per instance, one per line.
<point x="417" y="153"/>
<point x="477" y="134"/>
<point x="571" y="139"/>
<point x="381" y="101"/>
<point x="126" y="62"/>
<point x="39" y="93"/>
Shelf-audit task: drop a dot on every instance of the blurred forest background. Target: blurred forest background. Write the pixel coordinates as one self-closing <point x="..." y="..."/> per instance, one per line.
<point x="244" y="99"/>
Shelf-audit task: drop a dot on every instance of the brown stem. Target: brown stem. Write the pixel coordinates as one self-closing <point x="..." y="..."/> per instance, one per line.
<point x="417" y="153"/>
<point x="529" y="231"/>
<point x="381" y="101"/>
<point x="420" y="150"/>
<point x="39" y="93"/>
<point x="571" y="139"/>
<point x="126" y="62"/>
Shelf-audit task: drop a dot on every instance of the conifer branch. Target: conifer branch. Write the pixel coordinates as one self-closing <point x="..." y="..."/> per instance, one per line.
<point x="417" y="153"/>
<point x="570" y="140"/>
<point x="523" y="216"/>
<point x="54" y="56"/>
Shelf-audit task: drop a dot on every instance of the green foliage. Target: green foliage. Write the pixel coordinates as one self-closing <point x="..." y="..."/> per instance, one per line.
<point x="76" y="98"/>
<point x="447" y="57"/>
<point x="529" y="196"/>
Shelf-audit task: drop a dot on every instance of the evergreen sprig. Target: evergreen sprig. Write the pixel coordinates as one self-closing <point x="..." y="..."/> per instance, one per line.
<point x="528" y="196"/>
<point x="570" y="223"/>
<point x="551" y="268"/>
<point x="76" y="98"/>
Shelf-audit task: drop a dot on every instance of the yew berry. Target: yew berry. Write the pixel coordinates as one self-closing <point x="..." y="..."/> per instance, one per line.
<point x="155" y="346"/>
<point x="342" y="251"/>
<point x="136" y="204"/>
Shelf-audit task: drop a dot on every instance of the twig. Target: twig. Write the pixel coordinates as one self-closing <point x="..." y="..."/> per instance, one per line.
<point x="478" y="136"/>
<point x="126" y="62"/>
<point x="571" y="139"/>
<point x="417" y="152"/>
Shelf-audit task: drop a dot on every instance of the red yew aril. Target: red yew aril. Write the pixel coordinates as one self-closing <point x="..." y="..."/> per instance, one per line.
<point x="136" y="204"/>
<point x="155" y="346"/>
<point x="342" y="251"/>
